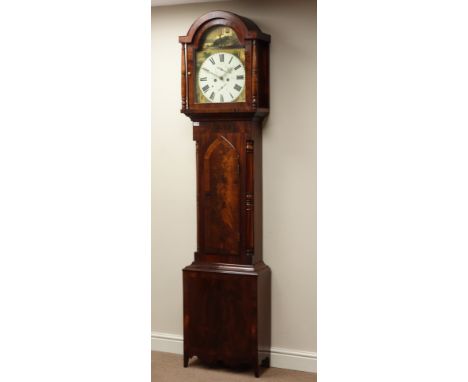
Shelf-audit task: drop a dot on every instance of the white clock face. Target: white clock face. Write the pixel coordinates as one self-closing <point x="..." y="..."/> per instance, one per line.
<point x="221" y="78"/>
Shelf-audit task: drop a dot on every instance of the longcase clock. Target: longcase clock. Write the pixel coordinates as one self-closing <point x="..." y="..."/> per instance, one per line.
<point x="225" y="92"/>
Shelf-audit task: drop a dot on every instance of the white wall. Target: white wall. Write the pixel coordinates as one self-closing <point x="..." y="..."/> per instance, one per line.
<point x="289" y="167"/>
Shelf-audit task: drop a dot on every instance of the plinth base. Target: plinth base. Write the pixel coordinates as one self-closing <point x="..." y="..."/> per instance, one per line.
<point x="227" y="314"/>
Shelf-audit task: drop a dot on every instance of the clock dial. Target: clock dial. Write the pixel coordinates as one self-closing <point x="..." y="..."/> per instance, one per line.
<point x="221" y="78"/>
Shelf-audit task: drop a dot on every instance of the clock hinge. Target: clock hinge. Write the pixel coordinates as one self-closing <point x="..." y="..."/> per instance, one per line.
<point x="254" y="74"/>
<point x="249" y="197"/>
<point x="186" y="96"/>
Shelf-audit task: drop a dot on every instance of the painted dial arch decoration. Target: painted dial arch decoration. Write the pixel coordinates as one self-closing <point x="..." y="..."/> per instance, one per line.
<point x="221" y="78"/>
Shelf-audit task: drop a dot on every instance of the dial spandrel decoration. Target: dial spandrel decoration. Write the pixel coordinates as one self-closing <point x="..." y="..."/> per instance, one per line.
<point x="220" y="67"/>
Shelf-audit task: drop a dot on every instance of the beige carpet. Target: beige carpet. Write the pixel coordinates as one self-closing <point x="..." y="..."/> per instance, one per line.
<point x="166" y="367"/>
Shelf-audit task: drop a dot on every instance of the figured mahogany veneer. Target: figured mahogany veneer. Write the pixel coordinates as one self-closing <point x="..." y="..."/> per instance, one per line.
<point x="227" y="287"/>
<point x="227" y="316"/>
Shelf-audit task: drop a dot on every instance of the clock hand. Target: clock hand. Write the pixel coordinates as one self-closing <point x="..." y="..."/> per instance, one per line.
<point x="226" y="72"/>
<point x="221" y="88"/>
<point x="209" y="71"/>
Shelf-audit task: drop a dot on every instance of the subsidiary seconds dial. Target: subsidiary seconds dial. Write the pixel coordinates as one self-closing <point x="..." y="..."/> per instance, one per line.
<point x="221" y="78"/>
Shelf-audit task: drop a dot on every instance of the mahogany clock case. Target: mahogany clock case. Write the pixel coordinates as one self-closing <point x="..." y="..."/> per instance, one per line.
<point x="227" y="287"/>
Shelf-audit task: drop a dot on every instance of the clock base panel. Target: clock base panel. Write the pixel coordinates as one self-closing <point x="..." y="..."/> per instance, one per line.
<point x="227" y="316"/>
